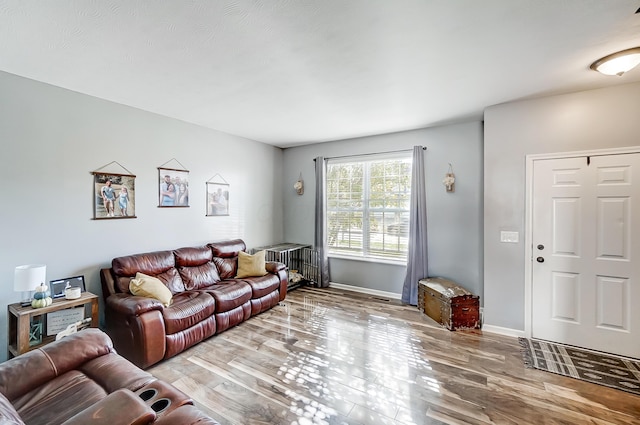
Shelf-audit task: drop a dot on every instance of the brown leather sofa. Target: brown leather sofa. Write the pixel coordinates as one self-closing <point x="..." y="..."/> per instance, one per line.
<point x="207" y="299"/>
<point x="80" y="380"/>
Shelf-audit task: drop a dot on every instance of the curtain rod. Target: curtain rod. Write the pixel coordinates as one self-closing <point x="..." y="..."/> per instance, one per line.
<point x="373" y="153"/>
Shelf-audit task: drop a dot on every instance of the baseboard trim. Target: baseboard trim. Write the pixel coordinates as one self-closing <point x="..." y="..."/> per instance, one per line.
<point x="502" y="331"/>
<point x="377" y="293"/>
<point x="391" y="295"/>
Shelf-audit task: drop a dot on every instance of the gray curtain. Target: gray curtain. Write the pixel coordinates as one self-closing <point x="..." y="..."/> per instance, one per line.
<point x="320" y="228"/>
<point x="417" y="256"/>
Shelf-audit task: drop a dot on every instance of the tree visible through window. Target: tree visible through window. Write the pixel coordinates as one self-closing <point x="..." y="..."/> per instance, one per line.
<point x="368" y="206"/>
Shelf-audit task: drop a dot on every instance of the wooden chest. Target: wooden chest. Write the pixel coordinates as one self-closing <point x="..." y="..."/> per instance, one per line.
<point x="448" y="303"/>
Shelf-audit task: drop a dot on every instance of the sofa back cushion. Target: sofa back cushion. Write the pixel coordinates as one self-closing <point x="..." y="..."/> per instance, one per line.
<point x="227" y="267"/>
<point x="225" y="256"/>
<point x="227" y="249"/>
<point x="195" y="267"/>
<point x="29" y="371"/>
<point x="159" y="264"/>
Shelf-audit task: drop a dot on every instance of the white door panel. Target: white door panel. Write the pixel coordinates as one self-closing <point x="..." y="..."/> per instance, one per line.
<point x="613" y="228"/>
<point x="565" y="291"/>
<point x="613" y="303"/>
<point x="586" y="245"/>
<point x="566" y="226"/>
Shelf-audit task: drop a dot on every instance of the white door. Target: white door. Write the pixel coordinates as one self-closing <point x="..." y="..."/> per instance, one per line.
<point x="586" y="252"/>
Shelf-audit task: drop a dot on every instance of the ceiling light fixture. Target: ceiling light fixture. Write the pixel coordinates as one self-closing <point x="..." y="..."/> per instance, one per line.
<point x="618" y="63"/>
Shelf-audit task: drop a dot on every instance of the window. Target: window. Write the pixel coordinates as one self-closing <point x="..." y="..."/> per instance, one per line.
<point x="368" y="206"/>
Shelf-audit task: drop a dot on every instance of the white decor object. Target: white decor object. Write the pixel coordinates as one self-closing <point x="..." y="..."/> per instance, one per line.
<point x="26" y="278"/>
<point x="73" y="328"/>
<point x="72" y="292"/>
<point x="299" y="185"/>
<point x="449" y="180"/>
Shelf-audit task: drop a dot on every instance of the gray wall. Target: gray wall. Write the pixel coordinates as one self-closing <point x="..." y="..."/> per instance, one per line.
<point x="53" y="138"/>
<point x="454" y="219"/>
<point x="595" y="119"/>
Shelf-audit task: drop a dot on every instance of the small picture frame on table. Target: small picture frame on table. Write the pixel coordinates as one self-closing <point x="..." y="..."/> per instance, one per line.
<point x="57" y="286"/>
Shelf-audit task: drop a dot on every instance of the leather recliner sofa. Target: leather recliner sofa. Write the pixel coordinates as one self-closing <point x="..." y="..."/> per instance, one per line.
<point x="207" y="299"/>
<point x="80" y="380"/>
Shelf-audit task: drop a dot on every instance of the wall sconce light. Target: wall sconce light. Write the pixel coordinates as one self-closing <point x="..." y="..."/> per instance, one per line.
<point x="449" y="180"/>
<point x="618" y="63"/>
<point x="299" y="185"/>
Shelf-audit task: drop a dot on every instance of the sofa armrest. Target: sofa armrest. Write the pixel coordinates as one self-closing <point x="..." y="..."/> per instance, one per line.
<point x="185" y="415"/>
<point x="131" y="305"/>
<point x="34" y="368"/>
<point x="280" y="270"/>
<point x="274" y="267"/>
<point x="108" y="283"/>
<point x="136" y="326"/>
<point x="121" y="407"/>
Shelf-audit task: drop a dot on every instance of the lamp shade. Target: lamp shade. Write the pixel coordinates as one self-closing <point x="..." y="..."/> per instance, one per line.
<point x="27" y="277"/>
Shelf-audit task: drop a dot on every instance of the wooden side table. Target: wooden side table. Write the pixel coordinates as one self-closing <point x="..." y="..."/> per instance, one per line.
<point x="20" y="318"/>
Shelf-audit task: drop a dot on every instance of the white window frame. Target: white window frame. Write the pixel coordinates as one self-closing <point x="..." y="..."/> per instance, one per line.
<point x="366" y="253"/>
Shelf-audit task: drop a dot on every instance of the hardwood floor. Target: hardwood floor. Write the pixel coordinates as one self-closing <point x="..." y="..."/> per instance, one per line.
<point x="329" y="356"/>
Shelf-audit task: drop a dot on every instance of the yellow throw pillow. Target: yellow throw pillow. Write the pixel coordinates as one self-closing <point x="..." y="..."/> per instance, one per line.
<point x="150" y="287"/>
<point x="251" y="265"/>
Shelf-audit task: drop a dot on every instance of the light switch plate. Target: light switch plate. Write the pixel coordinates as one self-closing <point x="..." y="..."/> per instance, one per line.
<point x="509" y="237"/>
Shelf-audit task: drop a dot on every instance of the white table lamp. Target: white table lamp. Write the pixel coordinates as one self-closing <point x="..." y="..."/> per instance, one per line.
<point x="26" y="278"/>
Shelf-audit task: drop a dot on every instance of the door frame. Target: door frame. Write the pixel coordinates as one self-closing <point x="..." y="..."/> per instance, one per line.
<point x="528" y="235"/>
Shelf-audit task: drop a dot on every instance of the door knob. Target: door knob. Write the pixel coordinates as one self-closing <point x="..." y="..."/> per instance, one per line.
<point x="540" y="260"/>
<point x="540" y="247"/>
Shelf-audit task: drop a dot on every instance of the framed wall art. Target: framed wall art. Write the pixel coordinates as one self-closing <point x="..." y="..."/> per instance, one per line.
<point x="217" y="199"/>
<point x="173" y="187"/>
<point x="114" y="196"/>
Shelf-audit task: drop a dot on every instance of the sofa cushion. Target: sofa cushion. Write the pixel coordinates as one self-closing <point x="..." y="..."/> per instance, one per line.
<point x="225" y="256"/>
<point x="193" y="256"/>
<point x="229" y="294"/>
<point x="59" y="399"/>
<point x="227" y="249"/>
<point x="227" y="267"/>
<point x="251" y="265"/>
<point x="263" y="285"/>
<point x="150" y="287"/>
<point x="160" y="264"/>
<point x="17" y="376"/>
<point x="8" y="414"/>
<point x="188" y="309"/>
<point x="195" y="267"/>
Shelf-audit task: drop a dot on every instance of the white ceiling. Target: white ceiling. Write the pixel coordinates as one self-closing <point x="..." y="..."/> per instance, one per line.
<point x="290" y="72"/>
